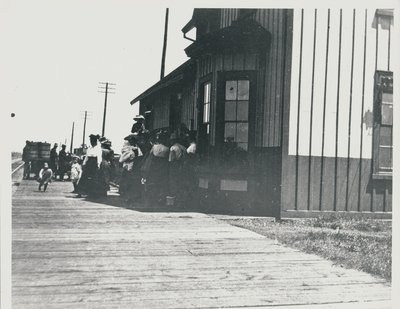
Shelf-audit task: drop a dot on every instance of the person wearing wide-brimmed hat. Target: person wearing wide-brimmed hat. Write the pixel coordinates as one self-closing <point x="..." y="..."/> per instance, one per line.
<point x="139" y="126"/>
<point x="88" y="184"/>
<point x="45" y="176"/>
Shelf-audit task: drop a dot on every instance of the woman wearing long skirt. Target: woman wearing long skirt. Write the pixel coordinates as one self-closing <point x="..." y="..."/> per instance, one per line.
<point x="89" y="184"/>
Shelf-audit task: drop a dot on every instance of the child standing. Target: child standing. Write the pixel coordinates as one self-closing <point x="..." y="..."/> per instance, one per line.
<point x="76" y="172"/>
<point x="45" y="176"/>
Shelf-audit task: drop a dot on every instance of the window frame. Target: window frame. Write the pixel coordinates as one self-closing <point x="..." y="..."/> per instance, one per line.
<point x="379" y="89"/>
<point x="220" y="105"/>
<point x="204" y="128"/>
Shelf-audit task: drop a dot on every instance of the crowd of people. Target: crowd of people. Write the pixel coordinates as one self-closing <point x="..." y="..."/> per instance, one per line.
<point x="156" y="166"/>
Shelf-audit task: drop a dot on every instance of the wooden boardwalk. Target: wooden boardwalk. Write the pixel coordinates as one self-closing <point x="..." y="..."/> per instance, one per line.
<point x="74" y="253"/>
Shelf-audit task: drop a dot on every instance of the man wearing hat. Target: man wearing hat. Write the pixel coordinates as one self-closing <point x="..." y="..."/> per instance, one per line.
<point x="62" y="162"/>
<point x="138" y="127"/>
<point x="27" y="163"/>
<point x="53" y="158"/>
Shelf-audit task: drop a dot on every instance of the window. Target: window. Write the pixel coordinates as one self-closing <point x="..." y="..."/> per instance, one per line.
<point x="206" y="105"/>
<point x="236" y="115"/>
<point x="383" y="124"/>
<point x="205" y="117"/>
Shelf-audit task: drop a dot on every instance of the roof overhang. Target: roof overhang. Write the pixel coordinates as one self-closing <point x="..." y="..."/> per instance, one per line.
<point x="242" y="35"/>
<point x="176" y="76"/>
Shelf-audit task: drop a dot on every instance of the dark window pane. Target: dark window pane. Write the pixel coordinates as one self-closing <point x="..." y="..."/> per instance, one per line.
<point x="385" y="136"/>
<point x="385" y="158"/>
<point x="231" y="90"/>
<point x="230" y="111"/>
<point x="230" y="131"/>
<point x="242" y="135"/>
<point x="387" y="114"/>
<point x="243" y="111"/>
<point x="243" y="89"/>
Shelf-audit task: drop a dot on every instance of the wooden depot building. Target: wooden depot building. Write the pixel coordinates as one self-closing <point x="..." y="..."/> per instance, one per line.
<point x="292" y="108"/>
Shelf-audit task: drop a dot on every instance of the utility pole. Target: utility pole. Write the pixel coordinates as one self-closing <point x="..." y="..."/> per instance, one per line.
<point x="72" y="138"/>
<point x="105" y="89"/>
<point x="86" y="116"/>
<point x="84" y="129"/>
<point x="165" y="44"/>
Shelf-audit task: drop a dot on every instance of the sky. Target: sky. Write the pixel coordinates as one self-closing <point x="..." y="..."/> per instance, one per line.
<point x="55" y="53"/>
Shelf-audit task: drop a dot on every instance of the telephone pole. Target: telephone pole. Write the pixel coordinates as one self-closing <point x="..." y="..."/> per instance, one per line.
<point x="72" y="138"/>
<point x="165" y="44"/>
<point x="84" y="129"/>
<point x="86" y="115"/>
<point x="105" y="89"/>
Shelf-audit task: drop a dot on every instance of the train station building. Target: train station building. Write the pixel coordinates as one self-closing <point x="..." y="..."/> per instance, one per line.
<point x="292" y="109"/>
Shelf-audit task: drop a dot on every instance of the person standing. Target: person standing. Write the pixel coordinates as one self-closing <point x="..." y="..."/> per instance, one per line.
<point x="27" y="163"/>
<point x="62" y="162"/>
<point x="53" y="158"/>
<point x="191" y="164"/>
<point x="88" y="183"/>
<point x="138" y="127"/>
<point x="177" y="156"/>
<point x="105" y="166"/>
<point x="45" y="176"/>
<point x="130" y="185"/>
<point x="155" y="169"/>
<point x="76" y="172"/>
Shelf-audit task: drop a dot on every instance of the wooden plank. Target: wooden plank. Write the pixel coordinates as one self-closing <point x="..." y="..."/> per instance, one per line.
<point x="341" y="184"/>
<point x="366" y="185"/>
<point x="353" y="185"/>
<point x="302" y="185"/>
<point x="327" y="184"/>
<point x="315" y="183"/>
<point x="288" y="183"/>
<point x="87" y="254"/>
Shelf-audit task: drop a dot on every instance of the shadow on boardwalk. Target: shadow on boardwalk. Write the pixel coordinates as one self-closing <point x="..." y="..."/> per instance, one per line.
<point x="80" y="253"/>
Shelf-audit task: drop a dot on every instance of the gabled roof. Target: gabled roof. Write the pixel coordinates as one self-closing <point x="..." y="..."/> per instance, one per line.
<point x="172" y="78"/>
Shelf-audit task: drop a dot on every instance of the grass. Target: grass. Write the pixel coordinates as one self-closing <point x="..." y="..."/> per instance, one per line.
<point x="362" y="244"/>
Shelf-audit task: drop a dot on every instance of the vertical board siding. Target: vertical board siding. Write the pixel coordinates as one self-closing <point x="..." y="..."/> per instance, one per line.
<point x="338" y="88"/>
<point x="161" y="112"/>
<point x="188" y="106"/>
<point x="214" y="99"/>
<point x="369" y="82"/>
<point x="271" y="95"/>
<point x="272" y="20"/>
<point x="337" y="136"/>
<point x="382" y="27"/>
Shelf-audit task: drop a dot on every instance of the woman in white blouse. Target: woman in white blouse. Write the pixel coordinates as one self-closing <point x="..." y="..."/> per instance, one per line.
<point x="88" y="184"/>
